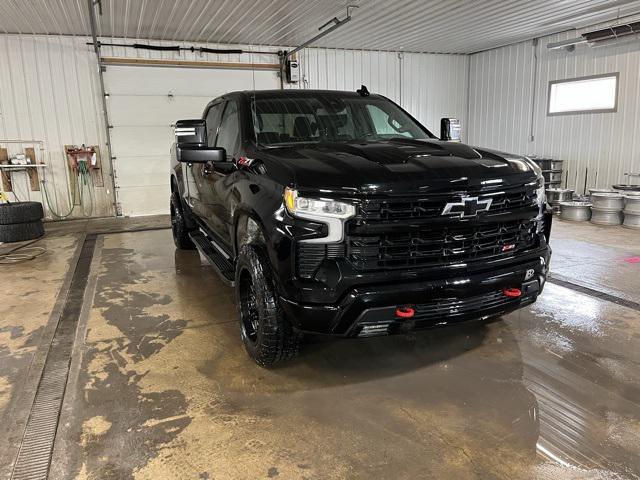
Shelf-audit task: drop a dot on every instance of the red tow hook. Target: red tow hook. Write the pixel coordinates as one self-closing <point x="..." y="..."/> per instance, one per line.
<point x="512" y="292"/>
<point x="405" y="312"/>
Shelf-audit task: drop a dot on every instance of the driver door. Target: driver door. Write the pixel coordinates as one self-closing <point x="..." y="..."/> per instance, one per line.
<point x="194" y="172"/>
<point x="217" y="179"/>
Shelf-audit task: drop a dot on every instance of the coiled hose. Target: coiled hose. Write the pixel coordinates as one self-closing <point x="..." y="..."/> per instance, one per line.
<point x="84" y="180"/>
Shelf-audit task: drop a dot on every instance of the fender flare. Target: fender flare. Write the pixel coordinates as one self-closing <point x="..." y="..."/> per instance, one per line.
<point x="253" y="228"/>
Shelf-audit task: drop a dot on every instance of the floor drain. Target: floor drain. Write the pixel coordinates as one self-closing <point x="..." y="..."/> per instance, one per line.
<point x="34" y="456"/>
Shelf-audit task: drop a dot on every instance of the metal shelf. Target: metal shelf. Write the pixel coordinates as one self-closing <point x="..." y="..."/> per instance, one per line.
<point x="13" y="167"/>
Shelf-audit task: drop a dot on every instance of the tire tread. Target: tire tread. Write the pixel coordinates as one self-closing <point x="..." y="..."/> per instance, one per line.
<point x="278" y="341"/>
<point x="20" y="212"/>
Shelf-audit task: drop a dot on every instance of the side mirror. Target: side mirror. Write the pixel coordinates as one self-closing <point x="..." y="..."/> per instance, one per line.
<point x="191" y="143"/>
<point x="197" y="154"/>
<point x="191" y="132"/>
<point x="450" y="129"/>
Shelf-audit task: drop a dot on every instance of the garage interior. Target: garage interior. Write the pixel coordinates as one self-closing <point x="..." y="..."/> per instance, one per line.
<point x="120" y="355"/>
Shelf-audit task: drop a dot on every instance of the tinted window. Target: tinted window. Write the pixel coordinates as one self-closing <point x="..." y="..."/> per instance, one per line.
<point x="229" y="132"/>
<point x="383" y="124"/>
<point x="326" y="117"/>
<point x="213" y="121"/>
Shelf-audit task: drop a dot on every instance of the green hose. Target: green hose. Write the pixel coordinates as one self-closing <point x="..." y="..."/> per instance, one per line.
<point x="85" y="176"/>
<point x="52" y="210"/>
<point x="84" y="179"/>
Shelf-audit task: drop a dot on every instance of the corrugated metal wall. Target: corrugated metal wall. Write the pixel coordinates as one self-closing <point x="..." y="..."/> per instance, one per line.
<point x="429" y="86"/>
<point x="597" y="148"/>
<point x="49" y="92"/>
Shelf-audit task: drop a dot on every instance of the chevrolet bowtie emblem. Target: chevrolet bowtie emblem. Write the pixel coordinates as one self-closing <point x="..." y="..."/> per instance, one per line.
<point x="467" y="207"/>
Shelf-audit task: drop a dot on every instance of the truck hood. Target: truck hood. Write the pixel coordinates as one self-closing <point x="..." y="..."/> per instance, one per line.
<point x="397" y="166"/>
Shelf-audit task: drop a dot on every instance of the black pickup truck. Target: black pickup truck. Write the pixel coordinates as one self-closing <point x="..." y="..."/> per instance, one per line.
<point x="338" y="213"/>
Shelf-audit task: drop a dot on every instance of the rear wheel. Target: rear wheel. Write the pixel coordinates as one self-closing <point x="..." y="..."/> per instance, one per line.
<point x="267" y="335"/>
<point x="179" y="226"/>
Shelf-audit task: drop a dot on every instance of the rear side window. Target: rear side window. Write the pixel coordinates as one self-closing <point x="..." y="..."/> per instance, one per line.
<point x="229" y="132"/>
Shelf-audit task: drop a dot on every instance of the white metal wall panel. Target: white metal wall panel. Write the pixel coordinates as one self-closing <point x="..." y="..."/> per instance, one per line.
<point x="49" y="92"/>
<point x="429" y="86"/>
<point x="597" y="148"/>
<point x="144" y="103"/>
<point x="435" y="86"/>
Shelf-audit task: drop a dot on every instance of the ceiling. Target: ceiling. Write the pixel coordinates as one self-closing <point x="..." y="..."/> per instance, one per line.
<point x="446" y="26"/>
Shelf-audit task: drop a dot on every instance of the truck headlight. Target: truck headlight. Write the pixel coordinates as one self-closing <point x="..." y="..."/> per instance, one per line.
<point x="325" y="210"/>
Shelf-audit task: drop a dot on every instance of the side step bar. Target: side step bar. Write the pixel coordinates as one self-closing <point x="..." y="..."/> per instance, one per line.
<point x="215" y="255"/>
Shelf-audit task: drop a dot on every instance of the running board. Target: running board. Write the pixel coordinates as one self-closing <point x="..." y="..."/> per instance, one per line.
<point x="215" y="255"/>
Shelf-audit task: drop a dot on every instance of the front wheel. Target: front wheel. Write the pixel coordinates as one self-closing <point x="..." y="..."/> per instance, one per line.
<point x="267" y="335"/>
<point x="179" y="227"/>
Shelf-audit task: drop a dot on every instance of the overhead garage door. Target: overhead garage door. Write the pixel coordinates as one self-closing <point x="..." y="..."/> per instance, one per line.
<point x="144" y="103"/>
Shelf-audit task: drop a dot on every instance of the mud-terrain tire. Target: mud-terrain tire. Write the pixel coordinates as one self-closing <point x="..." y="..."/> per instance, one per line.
<point x="179" y="227"/>
<point x="19" y="232"/>
<point x="20" y="212"/>
<point x="266" y="333"/>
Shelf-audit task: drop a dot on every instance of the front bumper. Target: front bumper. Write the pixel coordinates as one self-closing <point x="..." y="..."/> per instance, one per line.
<point x="371" y="309"/>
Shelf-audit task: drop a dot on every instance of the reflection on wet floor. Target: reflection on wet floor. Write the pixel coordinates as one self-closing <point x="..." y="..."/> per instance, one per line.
<point x="583" y="372"/>
<point x="166" y="391"/>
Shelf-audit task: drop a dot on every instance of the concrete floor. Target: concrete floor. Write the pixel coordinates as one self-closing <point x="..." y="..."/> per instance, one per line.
<point x="160" y="386"/>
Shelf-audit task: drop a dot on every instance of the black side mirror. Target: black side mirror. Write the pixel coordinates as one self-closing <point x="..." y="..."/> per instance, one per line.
<point x="450" y="129"/>
<point x="197" y="154"/>
<point x="191" y="143"/>
<point x="191" y="132"/>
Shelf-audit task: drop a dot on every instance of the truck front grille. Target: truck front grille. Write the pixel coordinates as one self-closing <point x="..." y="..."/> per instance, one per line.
<point x="449" y="244"/>
<point x="373" y="211"/>
<point x="396" y="233"/>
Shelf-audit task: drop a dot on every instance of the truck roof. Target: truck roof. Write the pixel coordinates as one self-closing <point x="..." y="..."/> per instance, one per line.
<point x="297" y="93"/>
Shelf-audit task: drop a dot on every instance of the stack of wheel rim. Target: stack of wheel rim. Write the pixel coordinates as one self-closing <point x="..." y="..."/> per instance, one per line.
<point x="607" y="208"/>
<point x="600" y="190"/>
<point x="551" y="170"/>
<point x="557" y="195"/>
<point x="632" y="210"/>
<point x="20" y="221"/>
<point x="575" y="211"/>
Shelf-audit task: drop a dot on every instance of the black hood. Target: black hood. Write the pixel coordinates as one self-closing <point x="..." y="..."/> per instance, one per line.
<point x="397" y="166"/>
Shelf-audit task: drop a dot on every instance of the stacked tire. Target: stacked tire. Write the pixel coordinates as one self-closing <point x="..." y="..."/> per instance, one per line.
<point x="20" y="221"/>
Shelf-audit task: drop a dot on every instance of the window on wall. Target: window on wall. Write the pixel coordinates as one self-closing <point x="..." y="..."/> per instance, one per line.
<point x="594" y="94"/>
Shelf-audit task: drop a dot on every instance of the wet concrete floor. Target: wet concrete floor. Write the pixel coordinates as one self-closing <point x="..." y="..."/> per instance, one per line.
<point x="27" y="322"/>
<point x="160" y="386"/>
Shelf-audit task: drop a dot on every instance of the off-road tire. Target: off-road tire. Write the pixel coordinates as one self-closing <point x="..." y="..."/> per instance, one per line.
<point x="269" y="338"/>
<point x="179" y="227"/>
<point x="19" y="232"/>
<point x="20" y="212"/>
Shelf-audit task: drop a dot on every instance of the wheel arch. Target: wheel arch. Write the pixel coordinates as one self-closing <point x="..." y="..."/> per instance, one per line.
<point x="247" y="228"/>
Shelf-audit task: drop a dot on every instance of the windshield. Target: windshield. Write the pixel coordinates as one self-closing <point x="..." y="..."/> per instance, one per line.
<point x="319" y="118"/>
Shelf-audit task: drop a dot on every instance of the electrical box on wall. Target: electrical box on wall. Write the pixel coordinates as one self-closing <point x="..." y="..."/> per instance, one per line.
<point x="450" y="130"/>
<point x="293" y="71"/>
